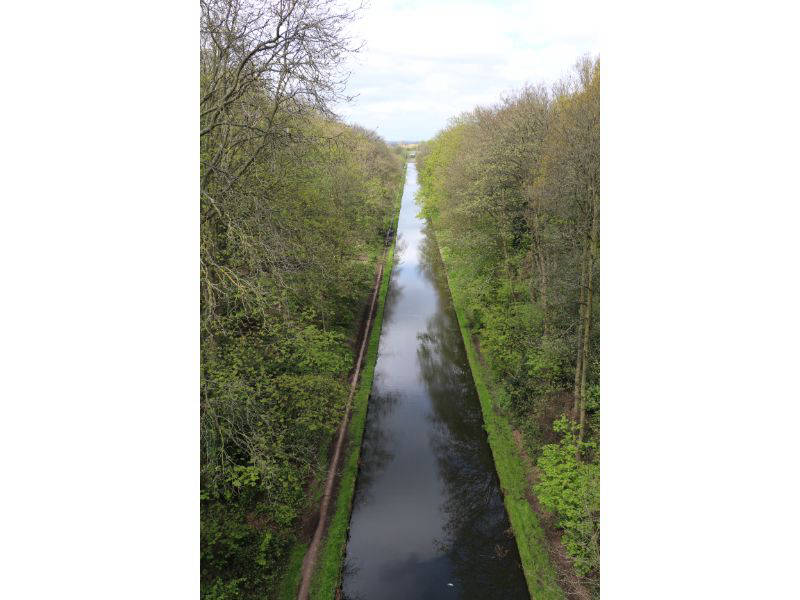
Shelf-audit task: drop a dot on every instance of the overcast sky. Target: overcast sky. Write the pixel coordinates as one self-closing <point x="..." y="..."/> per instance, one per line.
<point x="425" y="61"/>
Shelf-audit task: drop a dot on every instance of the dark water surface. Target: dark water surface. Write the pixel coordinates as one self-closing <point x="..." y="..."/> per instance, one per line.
<point x="427" y="511"/>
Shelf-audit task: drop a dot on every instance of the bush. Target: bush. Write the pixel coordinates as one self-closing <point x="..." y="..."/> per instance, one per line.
<point x="570" y="488"/>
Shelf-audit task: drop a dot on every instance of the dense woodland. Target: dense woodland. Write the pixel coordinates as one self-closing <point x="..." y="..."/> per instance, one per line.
<point x="513" y="191"/>
<point x="294" y="210"/>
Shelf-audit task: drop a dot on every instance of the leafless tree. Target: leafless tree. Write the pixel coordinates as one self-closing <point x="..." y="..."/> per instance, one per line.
<point x="258" y="58"/>
<point x="265" y="65"/>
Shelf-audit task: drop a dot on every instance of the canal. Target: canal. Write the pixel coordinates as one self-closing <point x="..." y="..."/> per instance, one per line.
<point x="428" y="518"/>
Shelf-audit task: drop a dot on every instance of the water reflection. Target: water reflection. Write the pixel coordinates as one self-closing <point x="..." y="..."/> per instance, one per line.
<point x="376" y="446"/>
<point x="476" y="536"/>
<point x="428" y="518"/>
<point x="395" y="291"/>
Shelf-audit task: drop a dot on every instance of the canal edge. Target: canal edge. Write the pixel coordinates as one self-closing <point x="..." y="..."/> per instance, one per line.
<point x="540" y="574"/>
<point x="326" y="576"/>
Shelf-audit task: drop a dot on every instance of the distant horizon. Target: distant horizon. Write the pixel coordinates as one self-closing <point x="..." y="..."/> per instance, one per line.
<point x="420" y="65"/>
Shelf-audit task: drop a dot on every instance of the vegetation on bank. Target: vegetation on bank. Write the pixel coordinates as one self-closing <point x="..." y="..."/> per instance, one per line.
<point x="513" y="193"/>
<point x="329" y="566"/>
<point x="541" y="578"/>
<point x="327" y="574"/>
<point x="294" y="210"/>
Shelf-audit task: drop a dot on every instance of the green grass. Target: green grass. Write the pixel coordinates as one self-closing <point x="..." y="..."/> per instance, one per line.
<point x="540" y="575"/>
<point x="326" y="576"/>
<point x="291" y="580"/>
<point x="329" y="566"/>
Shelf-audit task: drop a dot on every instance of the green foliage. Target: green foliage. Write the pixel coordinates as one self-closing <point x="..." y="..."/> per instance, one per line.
<point x="329" y="566"/>
<point x="294" y="209"/>
<point x="288" y="257"/>
<point x="287" y="590"/>
<point x="223" y="590"/>
<point x="570" y="488"/>
<point x="512" y="191"/>
<point x="540" y="575"/>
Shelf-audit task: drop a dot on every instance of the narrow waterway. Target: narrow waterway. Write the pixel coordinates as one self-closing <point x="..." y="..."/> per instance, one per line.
<point x="428" y="518"/>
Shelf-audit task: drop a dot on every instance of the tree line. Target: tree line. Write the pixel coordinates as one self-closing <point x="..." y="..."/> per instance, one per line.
<point x="294" y="210"/>
<point x="513" y="191"/>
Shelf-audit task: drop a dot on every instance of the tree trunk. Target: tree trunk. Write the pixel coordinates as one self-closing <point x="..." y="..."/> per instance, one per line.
<point x="587" y="326"/>
<point x="576" y="394"/>
<point x="538" y="258"/>
<point x="507" y="268"/>
<point x="594" y="243"/>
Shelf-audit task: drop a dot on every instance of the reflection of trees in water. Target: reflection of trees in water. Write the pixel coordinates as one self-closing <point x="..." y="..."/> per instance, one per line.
<point x="395" y="289"/>
<point x="392" y="296"/>
<point x="484" y="557"/>
<point x="349" y="571"/>
<point x="375" y="453"/>
<point x="430" y="264"/>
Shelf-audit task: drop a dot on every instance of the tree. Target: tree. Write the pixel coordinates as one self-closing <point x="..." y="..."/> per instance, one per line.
<point x="513" y="192"/>
<point x="294" y="206"/>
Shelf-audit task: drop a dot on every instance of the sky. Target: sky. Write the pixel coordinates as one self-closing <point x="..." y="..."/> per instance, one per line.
<point x="425" y="61"/>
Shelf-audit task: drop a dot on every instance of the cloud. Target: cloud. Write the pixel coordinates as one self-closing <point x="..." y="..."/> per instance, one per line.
<point x="426" y="61"/>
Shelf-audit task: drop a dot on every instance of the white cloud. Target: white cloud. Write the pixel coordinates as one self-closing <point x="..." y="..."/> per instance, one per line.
<point x="426" y="61"/>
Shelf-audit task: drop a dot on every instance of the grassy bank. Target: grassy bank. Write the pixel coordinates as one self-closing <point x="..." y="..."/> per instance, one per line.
<point x="539" y="573"/>
<point x="329" y="565"/>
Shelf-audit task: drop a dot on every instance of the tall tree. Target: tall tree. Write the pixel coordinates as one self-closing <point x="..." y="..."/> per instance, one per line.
<point x="513" y="191"/>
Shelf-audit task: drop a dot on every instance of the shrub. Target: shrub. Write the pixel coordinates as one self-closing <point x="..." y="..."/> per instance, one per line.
<point x="570" y="488"/>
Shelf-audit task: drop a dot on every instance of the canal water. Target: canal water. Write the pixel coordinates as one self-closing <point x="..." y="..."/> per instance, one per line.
<point x="428" y="518"/>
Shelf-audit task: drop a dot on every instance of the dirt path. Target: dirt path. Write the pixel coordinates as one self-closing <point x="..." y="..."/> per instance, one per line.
<point x="310" y="560"/>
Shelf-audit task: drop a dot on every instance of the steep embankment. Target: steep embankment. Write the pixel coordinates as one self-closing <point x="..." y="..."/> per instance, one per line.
<point x="317" y="563"/>
<point x="540" y="575"/>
